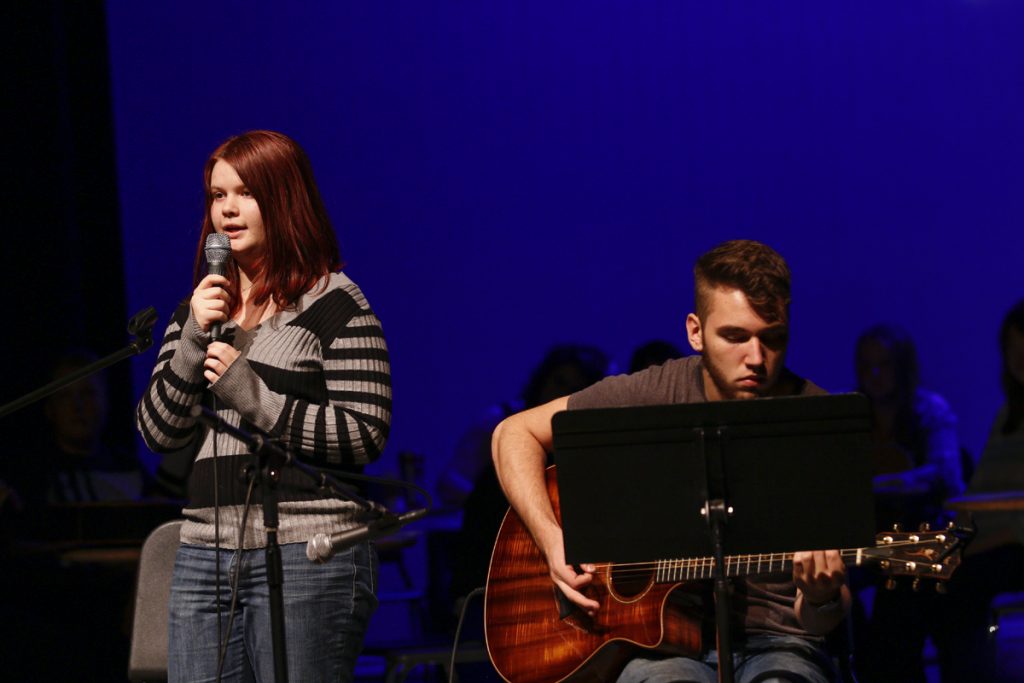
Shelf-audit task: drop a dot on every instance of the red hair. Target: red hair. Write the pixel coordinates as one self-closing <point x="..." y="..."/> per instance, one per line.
<point x="300" y="244"/>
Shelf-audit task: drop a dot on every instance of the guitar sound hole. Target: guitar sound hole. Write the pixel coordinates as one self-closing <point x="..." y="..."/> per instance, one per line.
<point x="629" y="581"/>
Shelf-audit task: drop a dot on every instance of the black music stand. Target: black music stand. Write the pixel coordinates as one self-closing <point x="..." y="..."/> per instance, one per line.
<point x="713" y="479"/>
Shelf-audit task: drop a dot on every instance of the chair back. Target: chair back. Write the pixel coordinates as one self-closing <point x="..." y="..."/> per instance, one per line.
<point x="147" y="660"/>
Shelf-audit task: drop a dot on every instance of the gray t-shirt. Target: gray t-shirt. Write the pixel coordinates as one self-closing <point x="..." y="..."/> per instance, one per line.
<point x="761" y="606"/>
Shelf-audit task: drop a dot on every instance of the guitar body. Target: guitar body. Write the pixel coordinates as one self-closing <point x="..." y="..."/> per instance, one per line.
<point x="536" y="635"/>
<point x="530" y="641"/>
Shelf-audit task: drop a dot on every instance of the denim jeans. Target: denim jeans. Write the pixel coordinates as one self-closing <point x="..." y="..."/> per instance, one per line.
<point x="327" y="609"/>
<point x="760" y="659"/>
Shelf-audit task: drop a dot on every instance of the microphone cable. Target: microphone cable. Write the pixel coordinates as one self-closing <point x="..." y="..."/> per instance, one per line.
<point x="458" y="630"/>
<point x="222" y="647"/>
<point x="221" y="637"/>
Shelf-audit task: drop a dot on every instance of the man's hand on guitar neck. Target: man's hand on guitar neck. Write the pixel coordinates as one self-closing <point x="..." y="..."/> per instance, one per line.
<point x="823" y="597"/>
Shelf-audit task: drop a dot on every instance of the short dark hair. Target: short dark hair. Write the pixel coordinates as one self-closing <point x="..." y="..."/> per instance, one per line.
<point x="654" y="352"/>
<point x="754" y="268"/>
<point x="591" y="362"/>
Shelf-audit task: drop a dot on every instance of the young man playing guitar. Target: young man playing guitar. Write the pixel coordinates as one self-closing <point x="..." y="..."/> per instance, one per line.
<point x="740" y="330"/>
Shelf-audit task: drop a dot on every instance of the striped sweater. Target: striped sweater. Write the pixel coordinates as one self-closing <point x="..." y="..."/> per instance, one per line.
<point x="315" y="376"/>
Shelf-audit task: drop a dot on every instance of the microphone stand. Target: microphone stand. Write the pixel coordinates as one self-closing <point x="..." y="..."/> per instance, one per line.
<point x="140" y="326"/>
<point x="283" y="457"/>
<point x="271" y="458"/>
<point x="267" y="476"/>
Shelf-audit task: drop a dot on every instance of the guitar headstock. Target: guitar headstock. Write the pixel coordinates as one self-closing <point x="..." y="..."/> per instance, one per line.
<point x="921" y="554"/>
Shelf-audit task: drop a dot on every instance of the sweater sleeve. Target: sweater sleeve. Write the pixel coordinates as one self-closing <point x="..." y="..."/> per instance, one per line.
<point x="163" y="415"/>
<point x="351" y="426"/>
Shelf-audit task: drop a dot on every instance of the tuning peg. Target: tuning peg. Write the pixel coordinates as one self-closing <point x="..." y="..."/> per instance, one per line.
<point x="951" y="525"/>
<point x="890" y="584"/>
<point x="916" y="585"/>
<point x="940" y="587"/>
<point x="896" y="527"/>
<point x="925" y="526"/>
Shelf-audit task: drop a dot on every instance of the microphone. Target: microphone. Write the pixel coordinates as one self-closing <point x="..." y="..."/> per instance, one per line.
<point x="322" y="547"/>
<point x="218" y="252"/>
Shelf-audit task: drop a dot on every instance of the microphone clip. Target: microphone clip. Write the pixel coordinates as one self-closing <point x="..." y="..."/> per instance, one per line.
<point x="140" y="326"/>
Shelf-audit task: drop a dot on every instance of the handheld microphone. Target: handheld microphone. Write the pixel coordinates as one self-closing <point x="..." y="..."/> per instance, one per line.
<point x="322" y="547"/>
<point x="218" y="252"/>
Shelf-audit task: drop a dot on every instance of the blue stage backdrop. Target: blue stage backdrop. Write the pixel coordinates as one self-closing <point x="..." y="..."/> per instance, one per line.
<point x="504" y="176"/>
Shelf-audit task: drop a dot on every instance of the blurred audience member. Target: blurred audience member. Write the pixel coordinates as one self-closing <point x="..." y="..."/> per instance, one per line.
<point x="53" y="476"/>
<point x="994" y="561"/>
<point x="916" y="458"/>
<point x="470" y="479"/>
<point x="1001" y="467"/>
<point x="915" y="449"/>
<point x="566" y="367"/>
<point x="72" y="462"/>
<point x="654" y="352"/>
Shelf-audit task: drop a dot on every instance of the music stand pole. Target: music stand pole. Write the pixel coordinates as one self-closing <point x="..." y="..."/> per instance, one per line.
<point x="752" y="468"/>
<point x="716" y="514"/>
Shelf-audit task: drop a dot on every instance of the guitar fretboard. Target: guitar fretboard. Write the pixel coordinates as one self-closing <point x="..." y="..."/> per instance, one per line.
<point x="671" y="571"/>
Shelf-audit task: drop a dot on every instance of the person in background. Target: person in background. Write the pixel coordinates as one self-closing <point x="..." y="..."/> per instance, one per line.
<point x="565" y="367"/>
<point x="654" y="352"/>
<point x="61" y="483"/>
<point x="994" y="561"/>
<point x="916" y="457"/>
<point x="915" y="448"/>
<point x="73" y="462"/>
<point x="470" y="480"/>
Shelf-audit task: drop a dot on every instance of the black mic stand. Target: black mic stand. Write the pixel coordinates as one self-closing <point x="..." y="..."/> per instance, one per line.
<point x="140" y="326"/>
<point x="267" y="472"/>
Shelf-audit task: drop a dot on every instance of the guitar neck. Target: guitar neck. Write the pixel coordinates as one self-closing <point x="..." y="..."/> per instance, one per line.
<point x="673" y="571"/>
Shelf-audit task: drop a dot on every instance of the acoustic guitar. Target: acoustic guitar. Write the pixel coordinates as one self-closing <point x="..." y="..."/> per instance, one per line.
<point x="535" y="634"/>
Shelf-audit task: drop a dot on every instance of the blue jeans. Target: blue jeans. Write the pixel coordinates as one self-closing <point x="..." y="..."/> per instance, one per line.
<point x="327" y="610"/>
<point x="761" y="658"/>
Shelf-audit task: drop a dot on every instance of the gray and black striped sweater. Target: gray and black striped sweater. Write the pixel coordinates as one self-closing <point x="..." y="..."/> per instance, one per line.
<point x="317" y="376"/>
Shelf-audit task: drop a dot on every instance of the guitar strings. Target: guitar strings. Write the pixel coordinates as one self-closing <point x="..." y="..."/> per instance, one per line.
<point x="638" y="569"/>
